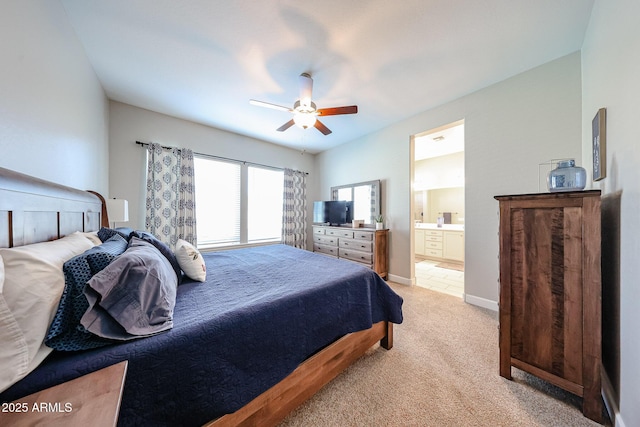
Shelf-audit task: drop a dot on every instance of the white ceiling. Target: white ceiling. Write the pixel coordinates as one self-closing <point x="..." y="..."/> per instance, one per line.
<point x="440" y="142"/>
<point x="202" y="60"/>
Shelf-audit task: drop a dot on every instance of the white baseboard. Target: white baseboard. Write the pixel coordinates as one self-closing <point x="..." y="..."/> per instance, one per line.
<point x="401" y="280"/>
<point x="610" y="399"/>
<point x="481" y="302"/>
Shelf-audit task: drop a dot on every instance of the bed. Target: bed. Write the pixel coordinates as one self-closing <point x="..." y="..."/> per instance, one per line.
<point x="267" y="329"/>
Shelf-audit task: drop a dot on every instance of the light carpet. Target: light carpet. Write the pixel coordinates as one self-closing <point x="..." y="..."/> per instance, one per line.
<point x="442" y="371"/>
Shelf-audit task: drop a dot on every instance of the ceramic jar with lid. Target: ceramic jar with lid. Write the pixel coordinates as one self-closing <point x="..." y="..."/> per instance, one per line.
<point x="567" y="177"/>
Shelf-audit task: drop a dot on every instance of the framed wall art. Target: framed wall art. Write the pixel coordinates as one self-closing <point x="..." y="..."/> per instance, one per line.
<point x="599" y="144"/>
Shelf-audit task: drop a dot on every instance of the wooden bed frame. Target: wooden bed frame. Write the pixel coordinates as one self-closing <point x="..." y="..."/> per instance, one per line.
<point x="33" y="210"/>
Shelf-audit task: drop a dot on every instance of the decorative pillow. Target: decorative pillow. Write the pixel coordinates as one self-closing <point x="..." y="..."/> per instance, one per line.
<point x="105" y="233"/>
<point x="33" y="284"/>
<point x="191" y="261"/>
<point x="66" y="333"/>
<point x="163" y="248"/>
<point x="134" y="296"/>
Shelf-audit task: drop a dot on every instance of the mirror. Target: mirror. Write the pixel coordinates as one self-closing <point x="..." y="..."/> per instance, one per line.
<point x="365" y="197"/>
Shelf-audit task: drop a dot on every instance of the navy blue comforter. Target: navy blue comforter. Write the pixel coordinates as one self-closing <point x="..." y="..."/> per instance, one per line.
<point x="261" y="312"/>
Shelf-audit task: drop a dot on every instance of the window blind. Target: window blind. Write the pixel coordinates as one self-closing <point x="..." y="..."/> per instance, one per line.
<point x="218" y="195"/>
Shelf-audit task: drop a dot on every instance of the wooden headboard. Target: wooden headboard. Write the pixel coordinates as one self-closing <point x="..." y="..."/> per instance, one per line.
<point x="33" y="210"/>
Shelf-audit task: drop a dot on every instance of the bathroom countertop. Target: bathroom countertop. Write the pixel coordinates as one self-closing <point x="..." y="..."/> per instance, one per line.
<point x="434" y="226"/>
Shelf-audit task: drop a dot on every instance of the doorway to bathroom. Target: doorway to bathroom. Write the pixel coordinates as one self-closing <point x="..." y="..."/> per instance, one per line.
<point x="438" y="209"/>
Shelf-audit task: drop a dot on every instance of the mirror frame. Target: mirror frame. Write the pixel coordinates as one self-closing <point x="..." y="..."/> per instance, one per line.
<point x="375" y="196"/>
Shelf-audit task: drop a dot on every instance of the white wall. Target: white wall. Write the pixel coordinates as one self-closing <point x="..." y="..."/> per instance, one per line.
<point x="510" y="128"/>
<point x="439" y="172"/>
<point x="53" y="111"/>
<point x="611" y="70"/>
<point x="445" y="200"/>
<point x="129" y="124"/>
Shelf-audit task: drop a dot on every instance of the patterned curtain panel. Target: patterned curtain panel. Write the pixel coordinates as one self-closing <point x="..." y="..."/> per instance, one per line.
<point x="294" y="209"/>
<point x="171" y="206"/>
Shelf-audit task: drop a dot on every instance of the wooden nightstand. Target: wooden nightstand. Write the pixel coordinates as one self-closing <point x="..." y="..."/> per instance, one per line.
<point x="90" y="400"/>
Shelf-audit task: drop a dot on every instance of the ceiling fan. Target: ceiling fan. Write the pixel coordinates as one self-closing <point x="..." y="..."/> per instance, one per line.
<point x="305" y="113"/>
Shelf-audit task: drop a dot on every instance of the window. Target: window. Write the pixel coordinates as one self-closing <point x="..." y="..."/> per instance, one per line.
<point x="217" y="201"/>
<point x="237" y="203"/>
<point x="264" y="206"/>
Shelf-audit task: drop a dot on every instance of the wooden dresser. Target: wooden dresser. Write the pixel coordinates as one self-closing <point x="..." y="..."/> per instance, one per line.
<point x="366" y="246"/>
<point x="550" y="291"/>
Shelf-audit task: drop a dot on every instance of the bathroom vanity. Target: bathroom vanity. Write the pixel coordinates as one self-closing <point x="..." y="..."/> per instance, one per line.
<point x="440" y="243"/>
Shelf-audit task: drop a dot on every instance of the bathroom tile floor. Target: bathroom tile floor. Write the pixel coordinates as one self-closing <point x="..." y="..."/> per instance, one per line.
<point x="444" y="280"/>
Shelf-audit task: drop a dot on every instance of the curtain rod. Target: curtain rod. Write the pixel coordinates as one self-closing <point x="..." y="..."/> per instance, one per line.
<point x="144" y="144"/>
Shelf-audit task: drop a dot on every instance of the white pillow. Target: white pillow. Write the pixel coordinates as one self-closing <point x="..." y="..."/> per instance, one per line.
<point x="14" y="354"/>
<point x="191" y="261"/>
<point x="93" y="236"/>
<point x="33" y="284"/>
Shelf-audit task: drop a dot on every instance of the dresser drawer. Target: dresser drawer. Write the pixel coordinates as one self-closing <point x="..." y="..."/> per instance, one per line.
<point x="364" y="246"/>
<point x="325" y="240"/>
<point x="433" y="238"/>
<point x="324" y="249"/>
<point x="356" y="255"/>
<point x="433" y="233"/>
<point x="359" y="245"/>
<point x="363" y="235"/>
<point x="436" y="253"/>
<point x="433" y="245"/>
<point x="340" y="233"/>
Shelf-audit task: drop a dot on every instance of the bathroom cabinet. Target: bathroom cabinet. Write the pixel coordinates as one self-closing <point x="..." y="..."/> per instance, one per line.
<point x="439" y="244"/>
<point x="433" y="243"/>
<point x="550" y="291"/>
<point x="453" y="245"/>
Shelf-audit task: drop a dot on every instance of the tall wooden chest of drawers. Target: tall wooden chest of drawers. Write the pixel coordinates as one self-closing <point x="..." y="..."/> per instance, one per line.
<point x="550" y="291"/>
<point x="366" y="246"/>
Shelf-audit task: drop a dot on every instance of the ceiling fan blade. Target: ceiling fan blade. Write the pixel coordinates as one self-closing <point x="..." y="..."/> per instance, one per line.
<point x="306" y="88"/>
<point x="285" y="126"/>
<point x="268" y="105"/>
<point x="352" y="109"/>
<point x="322" y="128"/>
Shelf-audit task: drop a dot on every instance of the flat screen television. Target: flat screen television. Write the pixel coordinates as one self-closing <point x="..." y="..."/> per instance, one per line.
<point x="332" y="212"/>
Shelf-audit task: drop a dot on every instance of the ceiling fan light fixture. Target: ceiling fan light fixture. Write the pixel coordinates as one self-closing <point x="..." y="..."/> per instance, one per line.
<point x="305" y="112"/>
<point x="304" y="120"/>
